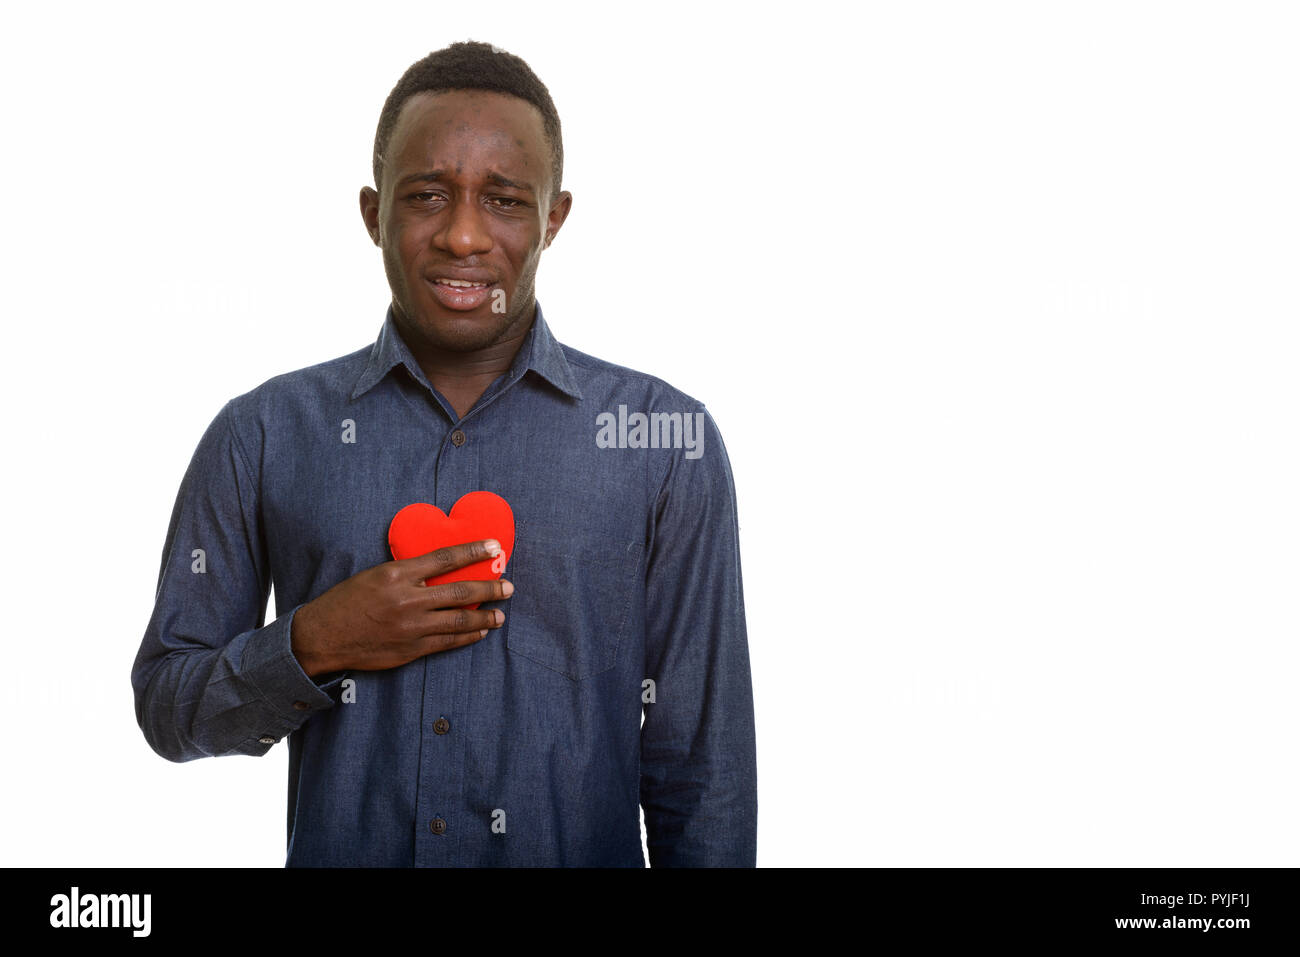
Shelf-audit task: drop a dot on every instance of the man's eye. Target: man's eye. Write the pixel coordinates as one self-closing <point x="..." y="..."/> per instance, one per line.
<point x="508" y="202"/>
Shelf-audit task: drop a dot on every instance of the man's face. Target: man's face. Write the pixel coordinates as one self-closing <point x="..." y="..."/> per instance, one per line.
<point x="465" y="197"/>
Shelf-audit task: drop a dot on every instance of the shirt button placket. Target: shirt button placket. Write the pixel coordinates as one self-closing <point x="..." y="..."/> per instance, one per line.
<point x="442" y="758"/>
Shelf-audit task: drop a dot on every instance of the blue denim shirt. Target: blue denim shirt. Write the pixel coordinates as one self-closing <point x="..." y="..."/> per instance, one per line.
<point x="527" y="747"/>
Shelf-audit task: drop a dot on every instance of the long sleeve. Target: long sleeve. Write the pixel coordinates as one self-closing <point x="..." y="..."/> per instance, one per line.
<point x="209" y="679"/>
<point x="698" y="761"/>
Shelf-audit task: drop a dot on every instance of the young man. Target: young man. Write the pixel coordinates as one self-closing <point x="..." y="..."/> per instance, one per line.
<point x="421" y="731"/>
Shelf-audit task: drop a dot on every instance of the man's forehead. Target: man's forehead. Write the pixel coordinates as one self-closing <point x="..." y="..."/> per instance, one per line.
<point x="426" y="118"/>
<point x="495" y="132"/>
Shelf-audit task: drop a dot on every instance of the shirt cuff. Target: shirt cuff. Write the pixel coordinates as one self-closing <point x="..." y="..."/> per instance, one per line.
<point x="270" y="664"/>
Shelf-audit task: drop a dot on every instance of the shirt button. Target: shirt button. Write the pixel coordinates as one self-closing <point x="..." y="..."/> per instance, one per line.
<point x="266" y="739"/>
<point x="458" y="438"/>
<point x="301" y="705"/>
<point x="441" y="726"/>
<point x="438" y="826"/>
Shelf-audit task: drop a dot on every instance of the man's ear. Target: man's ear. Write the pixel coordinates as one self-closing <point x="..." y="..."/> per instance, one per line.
<point x="558" y="214"/>
<point x="370" y="213"/>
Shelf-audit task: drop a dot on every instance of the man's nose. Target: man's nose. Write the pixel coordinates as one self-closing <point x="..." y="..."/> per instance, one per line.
<point x="464" y="233"/>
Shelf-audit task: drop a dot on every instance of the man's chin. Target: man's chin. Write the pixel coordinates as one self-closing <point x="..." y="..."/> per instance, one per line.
<point x="469" y="331"/>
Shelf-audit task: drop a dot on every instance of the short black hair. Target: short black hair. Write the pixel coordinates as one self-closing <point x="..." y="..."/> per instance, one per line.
<point x="471" y="65"/>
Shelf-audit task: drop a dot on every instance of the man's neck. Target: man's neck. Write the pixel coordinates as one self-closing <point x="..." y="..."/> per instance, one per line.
<point x="463" y="377"/>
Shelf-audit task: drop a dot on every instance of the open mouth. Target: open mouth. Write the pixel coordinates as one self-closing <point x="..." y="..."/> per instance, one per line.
<point x="460" y="294"/>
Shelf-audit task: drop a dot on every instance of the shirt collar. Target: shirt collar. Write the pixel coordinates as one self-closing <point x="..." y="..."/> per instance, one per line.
<point x="539" y="353"/>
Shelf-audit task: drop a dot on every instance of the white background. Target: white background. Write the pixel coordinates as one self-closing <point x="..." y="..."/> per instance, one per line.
<point x="994" y="303"/>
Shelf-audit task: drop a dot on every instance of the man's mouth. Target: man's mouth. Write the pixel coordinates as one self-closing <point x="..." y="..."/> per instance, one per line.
<point x="461" y="295"/>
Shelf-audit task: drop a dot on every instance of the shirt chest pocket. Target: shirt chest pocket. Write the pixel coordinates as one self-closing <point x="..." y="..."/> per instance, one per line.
<point x="572" y="601"/>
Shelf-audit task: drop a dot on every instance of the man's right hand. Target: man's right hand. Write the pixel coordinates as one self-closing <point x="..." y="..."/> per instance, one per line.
<point x="385" y="616"/>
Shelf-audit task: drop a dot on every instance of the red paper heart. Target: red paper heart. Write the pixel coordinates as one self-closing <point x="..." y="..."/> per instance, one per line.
<point x="422" y="528"/>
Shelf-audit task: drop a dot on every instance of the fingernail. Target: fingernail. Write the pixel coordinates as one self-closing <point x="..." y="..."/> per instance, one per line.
<point x="507" y="589"/>
<point x="500" y="617"/>
<point x="493" y="547"/>
<point x="483" y="633"/>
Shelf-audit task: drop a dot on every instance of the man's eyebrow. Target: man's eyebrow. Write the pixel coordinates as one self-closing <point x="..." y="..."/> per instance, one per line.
<point x="434" y="176"/>
<point x="430" y="177"/>
<point x="500" y="180"/>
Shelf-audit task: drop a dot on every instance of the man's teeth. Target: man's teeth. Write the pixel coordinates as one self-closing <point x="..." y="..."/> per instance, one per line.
<point x="459" y="282"/>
